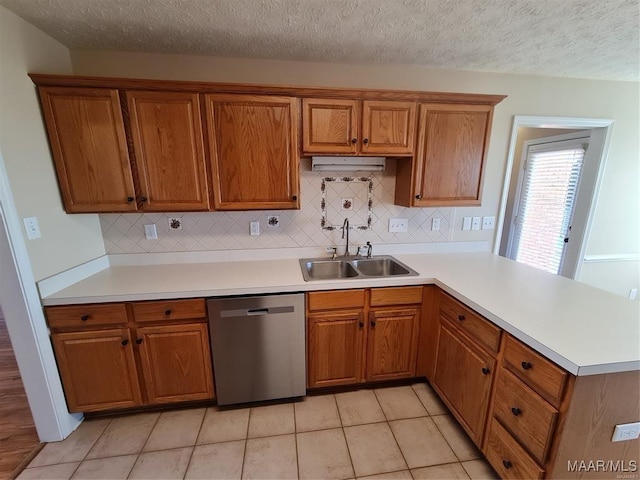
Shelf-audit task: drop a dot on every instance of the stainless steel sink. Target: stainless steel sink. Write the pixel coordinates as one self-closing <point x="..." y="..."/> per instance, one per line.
<point x="353" y="268"/>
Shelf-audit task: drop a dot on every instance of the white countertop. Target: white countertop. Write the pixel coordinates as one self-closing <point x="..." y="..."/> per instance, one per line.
<point x="585" y="330"/>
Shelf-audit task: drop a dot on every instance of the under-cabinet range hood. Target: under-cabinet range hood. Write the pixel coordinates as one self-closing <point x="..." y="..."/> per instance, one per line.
<point x="347" y="164"/>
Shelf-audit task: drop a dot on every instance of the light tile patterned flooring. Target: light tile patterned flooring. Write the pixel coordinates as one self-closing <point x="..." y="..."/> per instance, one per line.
<point x="394" y="433"/>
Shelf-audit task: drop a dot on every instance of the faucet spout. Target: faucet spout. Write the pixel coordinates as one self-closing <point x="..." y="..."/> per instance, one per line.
<point x="345" y="231"/>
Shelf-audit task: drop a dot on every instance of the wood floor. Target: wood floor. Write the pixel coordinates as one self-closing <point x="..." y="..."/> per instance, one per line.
<point x="18" y="437"/>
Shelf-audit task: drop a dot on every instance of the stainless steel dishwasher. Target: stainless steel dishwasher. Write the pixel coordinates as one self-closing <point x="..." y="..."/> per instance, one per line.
<point x="258" y="346"/>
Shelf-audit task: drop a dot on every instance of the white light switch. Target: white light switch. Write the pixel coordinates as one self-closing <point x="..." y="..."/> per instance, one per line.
<point x="254" y="227"/>
<point x="435" y="224"/>
<point x="626" y="431"/>
<point x="475" y="223"/>
<point x="466" y="223"/>
<point x="150" y="232"/>
<point x="488" y="223"/>
<point x="32" y="227"/>
<point x="398" y="225"/>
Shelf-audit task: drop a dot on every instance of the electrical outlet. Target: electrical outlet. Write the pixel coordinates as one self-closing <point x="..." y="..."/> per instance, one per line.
<point x="435" y="224"/>
<point x="398" y="225"/>
<point x="466" y="223"/>
<point x="32" y="227"/>
<point x="626" y="431"/>
<point x="633" y="293"/>
<point x="254" y="227"/>
<point x="150" y="232"/>
<point x="488" y="223"/>
<point x="475" y="223"/>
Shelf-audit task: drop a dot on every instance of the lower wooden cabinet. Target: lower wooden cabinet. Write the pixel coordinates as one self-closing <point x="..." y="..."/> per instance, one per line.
<point x="159" y="361"/>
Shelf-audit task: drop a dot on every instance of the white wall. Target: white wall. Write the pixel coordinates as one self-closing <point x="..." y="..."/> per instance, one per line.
<point x="67" y="240"/>
<point x="616" y="224"/>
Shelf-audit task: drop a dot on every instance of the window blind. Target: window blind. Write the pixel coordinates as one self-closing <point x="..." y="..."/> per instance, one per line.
<point x="545" y="210"/>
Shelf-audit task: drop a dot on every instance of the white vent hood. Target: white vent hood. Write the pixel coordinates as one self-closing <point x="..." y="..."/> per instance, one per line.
<point x="347" y="164"/>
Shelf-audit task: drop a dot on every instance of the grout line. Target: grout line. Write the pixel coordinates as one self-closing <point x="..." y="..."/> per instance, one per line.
<point x="145" y="442"/>
<point x="246" y="441"/>
<point x="195" y="443"/>
<point x="344" y="435"/>
<point x="295" y="438"/>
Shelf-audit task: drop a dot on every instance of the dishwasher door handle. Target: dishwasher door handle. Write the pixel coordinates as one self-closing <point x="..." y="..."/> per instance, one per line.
<point x="250" y="312"/>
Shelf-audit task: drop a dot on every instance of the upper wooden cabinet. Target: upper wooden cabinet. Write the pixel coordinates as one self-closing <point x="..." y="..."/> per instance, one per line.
<point x="352" y="127"/>
<point x="168" y="144"/>
<point x="89" y="147"/>
<point x="253" y="145"/>
<point x="449" y="165"/>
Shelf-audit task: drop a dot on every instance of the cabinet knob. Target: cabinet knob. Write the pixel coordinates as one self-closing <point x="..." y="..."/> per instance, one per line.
<point x="139" y="341"/>
<point x="461" y="317"/>
<point x="361" y="324"/>
<point x="167" y="312"/>
<point x="294" y="197"/>
<point x="84" y="318"/>
<point x="143" y="199"/>
<point x="526" y="365"/>
<point x="418" y="197"/>
<point x="507" y="464"/>
<point x="365" y="141"/>
<point x="124" y="342"/>
<point x="516" y="411"/>
<point x="485" y="371"/>
<point x="373" y="324"/>
<point x="354" y="140"/>
<point x="130" y="199"/>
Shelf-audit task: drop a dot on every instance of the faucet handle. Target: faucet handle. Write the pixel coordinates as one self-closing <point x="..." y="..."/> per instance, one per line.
<point x="369" y="249"/>
<point x="333" y="251"/>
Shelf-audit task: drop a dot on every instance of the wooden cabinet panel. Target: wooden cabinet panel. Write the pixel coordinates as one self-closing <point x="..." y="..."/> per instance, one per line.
<point x="89" y="147"/>
<point x="381" y="297"/>
<point x="168" y="310"/>
<point x="168" y="143"/>
<point x="333" y="299"/>
<point x="86" y="316"/>
<point x="335" y="352"/>
<point x="176" y="362"/>
<point x="525" y="414"/>
<point x="253" y="141"/>
<point x="388" y="128"/>
<point x="507" y="457"/>
<point x="97" y="369"/>
<point x="463" y="377"/>
<point x="392" y="344"/>
<point x="329" y="126"/>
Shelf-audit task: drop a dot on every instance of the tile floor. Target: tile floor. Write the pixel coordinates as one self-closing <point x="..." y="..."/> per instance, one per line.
<point x="393" y="433"/>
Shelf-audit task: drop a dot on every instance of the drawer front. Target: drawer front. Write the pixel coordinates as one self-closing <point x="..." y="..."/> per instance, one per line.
<point x="536" y="371"/>
<point x="169" y="310"/>
<point x="525" y="414"/>
<point x="481" y="330"/>
<point x="395" y="296"/>
<point x="507" y="457"/>
<point x="86" y="316"/>
<point x="335" y="299"/>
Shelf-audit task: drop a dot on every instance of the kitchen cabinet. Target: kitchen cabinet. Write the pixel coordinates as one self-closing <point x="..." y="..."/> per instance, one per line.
<point x="253" y="148"/>
<point x="167" y="140"/>
<point x="362" y="335"/>
<point x="113" y="356"/>
<point x="448" y="168"/>
<point x="89" y="148"/>
<point x="358" y="127"/>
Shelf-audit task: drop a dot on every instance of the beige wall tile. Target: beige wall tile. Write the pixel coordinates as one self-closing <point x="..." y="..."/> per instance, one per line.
<point x="271" y="457"/>
<point x="373" y="449"/>
<point x="400" y="402"/>
<point x="217" y="461"/>
<point x="456" y="437"/>
<point x="124" y="436"/>
<point x="166" y="464"/>
<point x="271" y="420"/>
<point x="449" y="471"/>
<point x="112" y="468"/>
<point x="323" y="454"/>
<point x="421" y="443"/>
<point x="224" y="425"/>
<point x="357" y="408"/>
<point x="316" y="413"/>
<point x="174" y="429"/>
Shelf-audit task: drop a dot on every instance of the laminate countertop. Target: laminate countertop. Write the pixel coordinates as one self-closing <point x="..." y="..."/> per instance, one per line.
<point x="584" y="330"/>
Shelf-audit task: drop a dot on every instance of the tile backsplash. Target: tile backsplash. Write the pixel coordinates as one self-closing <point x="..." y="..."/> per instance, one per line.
<point x="124" y="233"/>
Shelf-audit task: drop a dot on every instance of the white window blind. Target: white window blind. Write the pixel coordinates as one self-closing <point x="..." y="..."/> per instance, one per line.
<point x="546" y="206"/>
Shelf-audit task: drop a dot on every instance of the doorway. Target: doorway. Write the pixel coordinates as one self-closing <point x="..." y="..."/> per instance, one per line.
<point x="561" y="248"/>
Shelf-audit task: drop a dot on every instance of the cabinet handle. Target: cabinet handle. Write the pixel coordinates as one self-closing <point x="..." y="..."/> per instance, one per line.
<point x="130" y="199"/>
<point x="124" y="342"/>
<point x="354" y="140"/>
<point x="167" y="312"/>
<point x="507" y="464"/>
<point x="418" y="197"/>
<point x="143" y="199"/>
<point x="526" y="365"/>
<point x="294" y="197"/>
<point x="461" y="317"/>
<point x="485" y="371"/>
<point x="365" y="141"/>
<point x="516" y="411"/>
<point x="84" y="318"/>
<point x="139" y="341"/>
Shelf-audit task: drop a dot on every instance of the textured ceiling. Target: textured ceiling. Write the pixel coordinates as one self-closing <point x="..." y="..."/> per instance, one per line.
<point x="574" y="38"/>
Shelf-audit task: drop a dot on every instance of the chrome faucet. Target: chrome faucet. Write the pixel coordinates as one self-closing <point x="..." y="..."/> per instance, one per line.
<point x="369" y="249"/>
<point x="345" y="230"/>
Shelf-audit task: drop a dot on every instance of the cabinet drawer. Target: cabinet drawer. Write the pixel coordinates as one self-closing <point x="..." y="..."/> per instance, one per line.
<point x="335" y="299"/>
<point x="525" y="414"/>
<point x="507" y="457"/>
<point x="536" y="371"/>
<point x="395" y="296"/>
<point x="169" y="310"/>
<point x="86" y="316"/>
<point x="481" y="330"/>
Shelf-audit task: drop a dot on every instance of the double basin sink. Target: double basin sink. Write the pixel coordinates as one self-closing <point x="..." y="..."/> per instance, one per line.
<point x="346" y="268"/>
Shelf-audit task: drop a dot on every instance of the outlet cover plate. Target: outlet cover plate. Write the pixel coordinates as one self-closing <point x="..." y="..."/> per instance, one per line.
<point x="398" y="225"/>
<point x="626" y="431"/>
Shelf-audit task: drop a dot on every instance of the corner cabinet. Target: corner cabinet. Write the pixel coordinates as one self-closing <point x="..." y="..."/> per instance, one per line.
<point x="448" y="168"/>
<point x="253" y="145"/>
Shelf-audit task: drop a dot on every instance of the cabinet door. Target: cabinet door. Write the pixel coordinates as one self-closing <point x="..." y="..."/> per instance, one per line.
<point x="452" y="147"/>
<point x="463" y="377"/>
<point x="97" y="369"/>
<point x="388" y="128"/>
<point x="167" y="139"/>
<point x="330" y="126"/>
<point x="89" y="148"/>
<point x="335" y="348"/>
<point x="176" y="362"/>
<point x="392" y="344"/>
<point x="254" y="151"/>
